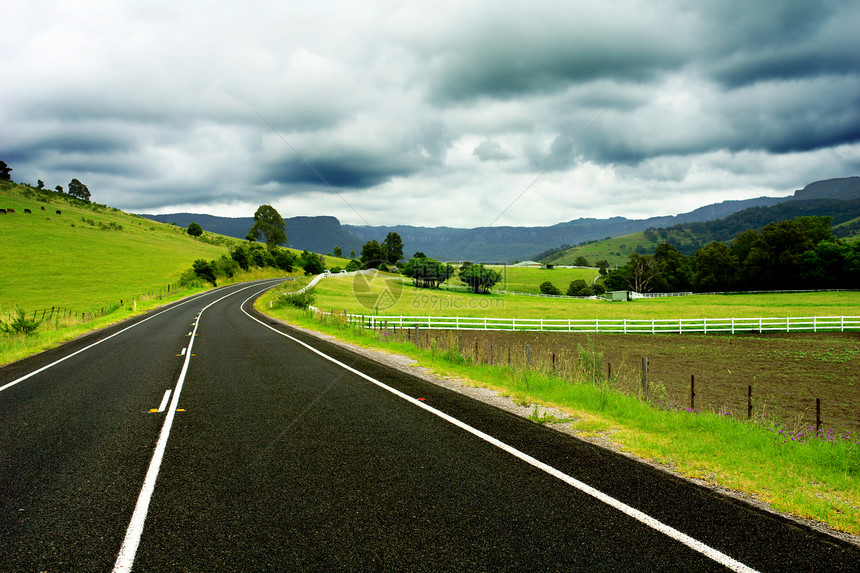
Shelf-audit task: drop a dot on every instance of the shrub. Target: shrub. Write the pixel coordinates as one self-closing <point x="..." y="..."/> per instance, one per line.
<point x="300" y="299"/>
<point x="547" y="287"/>
<point x="205" y="270"/>
<point x="20" y="324"/>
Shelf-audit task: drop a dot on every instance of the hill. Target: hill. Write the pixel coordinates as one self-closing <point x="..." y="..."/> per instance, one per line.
<point x="67" y="253"/>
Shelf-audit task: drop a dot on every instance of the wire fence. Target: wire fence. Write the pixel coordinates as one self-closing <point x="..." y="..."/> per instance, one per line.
<point x="615" y="326"/>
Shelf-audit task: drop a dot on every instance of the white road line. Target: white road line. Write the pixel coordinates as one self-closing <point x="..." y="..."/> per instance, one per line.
<point x="64" y="358"/>
<point x="183" y="351"/>
<point x="125" y="558"/>
<point x="644" y="518"/>
<point x="164" y="400"/>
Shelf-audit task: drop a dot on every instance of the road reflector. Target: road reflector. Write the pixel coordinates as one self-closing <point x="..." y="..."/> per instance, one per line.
<point x="152" y="410"/>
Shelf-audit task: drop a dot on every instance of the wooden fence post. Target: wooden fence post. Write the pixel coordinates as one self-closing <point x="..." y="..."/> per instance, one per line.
<point x="609" y="369"/>
<point x="817" y="415"/>
<point x="692" y="391"/>
<point x="645" y="376"/>
<point x="749" y="402"/>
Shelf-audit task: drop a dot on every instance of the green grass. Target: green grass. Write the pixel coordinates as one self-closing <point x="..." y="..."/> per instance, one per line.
<point x="339" y="293"/>
<point x="528" y="280"/>
<point x="89" y="256"/>
<point x="813" y="479"/>
<point x="615" y="250"/>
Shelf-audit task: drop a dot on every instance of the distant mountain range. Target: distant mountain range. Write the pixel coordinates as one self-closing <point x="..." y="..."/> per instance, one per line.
<point x="497" y="244"/>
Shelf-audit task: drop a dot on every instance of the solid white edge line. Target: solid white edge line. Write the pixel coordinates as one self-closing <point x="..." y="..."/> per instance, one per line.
<point x="164" y="400"/>
<point x="64" y="358"/>
<point x="128" y="550"/>
<point x="651" y="522"/>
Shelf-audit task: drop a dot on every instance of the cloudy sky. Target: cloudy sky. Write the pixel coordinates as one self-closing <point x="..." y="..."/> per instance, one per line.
<point x="463" y="113"/>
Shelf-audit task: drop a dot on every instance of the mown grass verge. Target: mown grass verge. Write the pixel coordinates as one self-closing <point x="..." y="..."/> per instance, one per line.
<point x="814" y="477"/>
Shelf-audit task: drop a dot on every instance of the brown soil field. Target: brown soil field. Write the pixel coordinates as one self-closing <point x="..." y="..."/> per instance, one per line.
<point x="787" y="372"/>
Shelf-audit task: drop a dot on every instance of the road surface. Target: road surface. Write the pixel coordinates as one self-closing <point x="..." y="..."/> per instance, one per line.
<point x="202" y="437"/>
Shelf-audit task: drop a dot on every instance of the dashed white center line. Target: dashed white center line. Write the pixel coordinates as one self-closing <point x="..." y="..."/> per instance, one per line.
<point x="183" y="351"/>
<point x="164" y="400"/>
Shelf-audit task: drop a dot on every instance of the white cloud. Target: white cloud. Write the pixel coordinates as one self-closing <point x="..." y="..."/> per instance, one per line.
<point x="437" y="113"/>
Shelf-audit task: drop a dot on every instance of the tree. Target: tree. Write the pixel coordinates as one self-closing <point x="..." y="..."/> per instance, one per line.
<point x="352" y="254"/>
<point x="284" y="259"/>
<point x="311" y="262"/>
<point x="59" y="188"/>
<point x="195" y="230"/>
<point x="419" y="255"/>
<point x="579" y="288"/>
<point x="372" y="255"/>
<point x="717" y="268"/>
<point x="268" y="223"/>
<point x="40" y="184"/>
<point x="337" y="251"/>
<point x="427" y="273"/>
<point x="479" y="278"/>
<point x="546" y="287"/>
<point x="205" y="270"/>
<point x="79" y="190"/>
<point x="5" y="170"/>
<point x="393" y="246"/>
<point x="580" y="261"/>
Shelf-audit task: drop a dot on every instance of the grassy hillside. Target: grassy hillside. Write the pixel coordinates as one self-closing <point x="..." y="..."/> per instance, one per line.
<point x="615" y="250"/>
<point x="89" y="255"/>
<point x="528" y="280"/>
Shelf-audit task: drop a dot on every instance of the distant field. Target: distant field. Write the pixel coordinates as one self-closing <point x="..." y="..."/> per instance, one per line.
<point x="394" y="297"/>
<point x="88" y="256"/>
<point x="615" y="250"/>
<point x="528" y="280"/>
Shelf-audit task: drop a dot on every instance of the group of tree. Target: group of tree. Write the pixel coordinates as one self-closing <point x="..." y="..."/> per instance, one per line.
<point x="426" y="272"/>
<point x="479" y="277"/>
<point x="374" y="254"/>
<point x="801" y="253"/>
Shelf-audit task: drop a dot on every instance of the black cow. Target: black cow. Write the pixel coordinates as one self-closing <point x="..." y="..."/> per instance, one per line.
<point x="59" y="212"/>
<point x="28" y="211"/>
<point x="43" y="208"/>
<point x="2" y="211"/>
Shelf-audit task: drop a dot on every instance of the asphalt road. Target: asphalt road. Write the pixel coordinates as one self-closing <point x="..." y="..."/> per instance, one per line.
<point x="272" y="456"/>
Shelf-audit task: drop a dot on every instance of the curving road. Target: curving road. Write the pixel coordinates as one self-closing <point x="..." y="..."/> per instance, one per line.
<point x="274" y="451"/>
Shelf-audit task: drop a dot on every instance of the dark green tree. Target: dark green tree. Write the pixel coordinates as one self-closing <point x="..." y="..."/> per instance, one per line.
<point x="372" y="255"/>
<point x="205" y="270"/>
<point x="546" y="287"/>
<point x="79" y="190"/>
<point x="284" y="259"/>
<point x="5" y="171"/>
<point x="393" y="246"/>
<point x="194" y="229"/>
<point x="579" y="288"/>
<point x="59" y="188"/>
<point x="479" y="278"/>
<point x="427" y="273"/>
<point x="268" y="223"/>
<point x="311" y="263"/>
<point x="40" y="184"/>
<point x="717" y="268"/>
<point x="337" y="251"/>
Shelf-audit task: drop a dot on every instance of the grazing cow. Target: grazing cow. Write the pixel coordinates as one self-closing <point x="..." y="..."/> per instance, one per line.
<point x="43" y="208"/>
<point x="10" y="210"/>
<point x="2" y="211"/>
<point x="59" y="212"/>
<point x="28" y="211"/>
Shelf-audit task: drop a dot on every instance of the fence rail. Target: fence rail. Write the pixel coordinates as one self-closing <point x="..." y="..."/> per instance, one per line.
<point x="617" y="326"/>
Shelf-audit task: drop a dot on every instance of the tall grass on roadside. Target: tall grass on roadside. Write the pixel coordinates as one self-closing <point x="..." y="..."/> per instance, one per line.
<point x="816" y="477"/>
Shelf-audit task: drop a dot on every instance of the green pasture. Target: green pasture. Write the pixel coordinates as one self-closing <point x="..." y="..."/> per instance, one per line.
<point x="528" y="280"/>
<point x="615" y="250"/>
<point x="363" y="295"/>
<point x="90" y="255"/>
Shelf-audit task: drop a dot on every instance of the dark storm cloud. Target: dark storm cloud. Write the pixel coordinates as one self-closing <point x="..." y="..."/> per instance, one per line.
<point x="425" y="113"/>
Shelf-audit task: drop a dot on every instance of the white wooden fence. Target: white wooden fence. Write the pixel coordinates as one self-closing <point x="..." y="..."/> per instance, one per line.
<point x="616" y="325"/>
